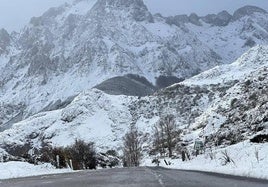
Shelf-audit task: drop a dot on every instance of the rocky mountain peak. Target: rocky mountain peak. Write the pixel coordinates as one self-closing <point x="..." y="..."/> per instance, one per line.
<point x="194" y="19"/>
<point x="125" y="3"/>
<point x="247" y="10"/>
<point x="221" y="19"/>
<point x="136" y="8"/>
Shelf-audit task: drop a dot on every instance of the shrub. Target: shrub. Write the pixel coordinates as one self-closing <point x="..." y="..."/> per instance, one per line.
<point x="109" y="159"/>
<point x="260" y="138"/>
<point x="112" y="153"/>
<point x="58" y="151"/>
<point x="82" y="154"/>
<point x="211" y="155"/>
<point x="257" y="155"/>
<point x="226" y="159"/>
<point x="233" y="102"/>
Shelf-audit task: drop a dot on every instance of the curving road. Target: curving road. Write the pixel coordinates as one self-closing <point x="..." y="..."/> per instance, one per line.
<point x="135" y="177"/>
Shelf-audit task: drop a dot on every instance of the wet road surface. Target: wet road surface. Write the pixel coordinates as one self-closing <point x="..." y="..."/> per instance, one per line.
<point x="135" y="177"/>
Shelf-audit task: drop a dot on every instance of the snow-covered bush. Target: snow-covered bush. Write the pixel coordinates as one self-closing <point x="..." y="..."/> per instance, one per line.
<point x="109" y="159"/>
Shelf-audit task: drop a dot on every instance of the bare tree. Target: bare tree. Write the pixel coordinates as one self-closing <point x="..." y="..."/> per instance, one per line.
<point x="159" y="141"/>
<point x="132" y="148"/>
<point x="166" y="135"/>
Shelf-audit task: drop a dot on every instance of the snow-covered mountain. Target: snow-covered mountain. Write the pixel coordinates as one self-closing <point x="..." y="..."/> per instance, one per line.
<point x="233" y="111"/>
<point x="228" y="35"/>
<point x="76" y="46"/>
<point x="50" y="67"/>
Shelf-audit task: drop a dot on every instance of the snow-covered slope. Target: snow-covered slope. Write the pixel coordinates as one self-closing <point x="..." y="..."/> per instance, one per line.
<point x="228" y="35"/>
<point x="76" y="46"/>
<point x="22" y="169"/>
<point x="233" y="111"/>
<point x="252" y="61"/>
<point x="245" y="162"/>
<point x="92" y="116"/>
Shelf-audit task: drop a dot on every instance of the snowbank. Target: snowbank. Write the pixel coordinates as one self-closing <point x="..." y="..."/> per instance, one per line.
<point x="249" y="160"/>
<point x="24" y="169"/>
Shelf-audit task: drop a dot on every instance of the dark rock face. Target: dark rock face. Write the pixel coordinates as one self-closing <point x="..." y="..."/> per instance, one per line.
<point x="45" y="19"/>
<point x="221" y="19"/>
<point x="4" y="41"/>
<point x="137" y="8"/>
<point x="246" y="10"/>
<point x="181" y="19"/>
<point x="40" y="65"/>
<point x="135" y="85"/>
<point x="177" y="20"/>
<point x="250" y="43"/>
<point x="10" y="114"/>
<point x="59" y="104"/>
<point x="131" y="85"/>
<point x="194" y="19"/>
<point x="165" y="81"/>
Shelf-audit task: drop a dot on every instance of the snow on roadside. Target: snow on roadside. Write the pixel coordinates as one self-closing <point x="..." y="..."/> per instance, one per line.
<point x="23" y="169"/>
<point x="244" y="156"/>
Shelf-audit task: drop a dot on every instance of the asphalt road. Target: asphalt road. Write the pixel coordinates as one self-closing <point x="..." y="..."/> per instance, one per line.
<point x="135" y="177"/>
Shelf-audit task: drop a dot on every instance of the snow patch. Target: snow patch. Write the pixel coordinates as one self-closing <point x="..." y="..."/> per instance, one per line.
<point x="22" y="169"/>
<point x="243" y="154"/>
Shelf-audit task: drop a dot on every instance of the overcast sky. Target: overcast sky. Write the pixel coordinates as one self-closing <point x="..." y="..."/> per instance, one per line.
<point x="16" y="13"/>
<point x="201" y="7"/>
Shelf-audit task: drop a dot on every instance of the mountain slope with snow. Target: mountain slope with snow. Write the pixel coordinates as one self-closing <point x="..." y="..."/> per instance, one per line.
<point x="76" y="46"/>
<point x="255" y="59"/>
<point x="232" y="111"/>
<point x="228" y="35"/>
